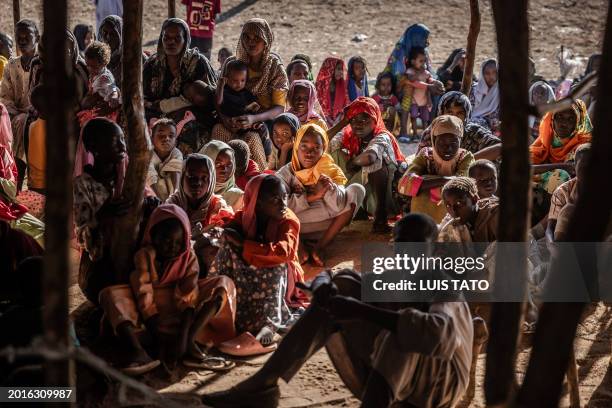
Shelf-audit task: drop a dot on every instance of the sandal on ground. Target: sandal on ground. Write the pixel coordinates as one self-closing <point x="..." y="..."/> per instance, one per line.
<point x="134" y="370"/>
<point x="266" y="397"/>
<point x="403" y="139"/>
<point x="245" y="345"/>
<point x="210" y="363"/>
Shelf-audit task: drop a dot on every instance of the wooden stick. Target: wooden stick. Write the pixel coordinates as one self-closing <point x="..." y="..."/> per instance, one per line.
<point x="563" y="104"/>
<point x="16" y="12"/>
<point x="59" y="98"/>
<point x="510" y="269"/>
<point x="547" y="365"/>
<point x="470" y="50"/>
<point x="125" y="229"/>
<point x="171" y="8"/>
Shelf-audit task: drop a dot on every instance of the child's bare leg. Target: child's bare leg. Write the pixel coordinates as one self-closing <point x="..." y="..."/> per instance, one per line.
<point x="404" y="122"/>
<point x="378" y="181"/>
<point x="208" y="310"/>
<point x="334" y="228"/>
<point x="377" y="392"/>
<point x="413" y="124"/>
<point x="138" y="355"/>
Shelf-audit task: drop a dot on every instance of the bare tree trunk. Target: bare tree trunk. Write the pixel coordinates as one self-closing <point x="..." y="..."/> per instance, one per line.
<point x="16" y="12"/>
<point x="510" y="269"/>
<point x="171" y="8"/>
<point x="125" y="229"/>
<point x="59" y="97"/>
<point x="470" y="50"/>
<point x="558" y="321"/>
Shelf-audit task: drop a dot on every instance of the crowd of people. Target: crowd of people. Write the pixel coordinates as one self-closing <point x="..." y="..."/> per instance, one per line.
<point x="256" y="167"/>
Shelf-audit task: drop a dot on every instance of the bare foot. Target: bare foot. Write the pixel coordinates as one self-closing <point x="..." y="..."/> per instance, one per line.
<point x="317" y="257"/>
<point x="194" y="352"/>
<point x="303" y="253"/>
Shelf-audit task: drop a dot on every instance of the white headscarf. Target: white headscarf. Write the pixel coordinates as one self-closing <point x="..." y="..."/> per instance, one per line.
<point x="486" y="100"/>
<point x="550" y="96"/>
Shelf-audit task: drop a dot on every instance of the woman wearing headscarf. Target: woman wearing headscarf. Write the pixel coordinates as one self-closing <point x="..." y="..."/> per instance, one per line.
<point x="369" y="155"/>
<point x="451" y="72"/>
<point x="417" y="35"/>
<point x="266" y="79"/>
<point x="260" y="254"/>
<point x="540" y="93"/>
<point x="224" y="161"/>
<point x="485" y="96"/>
<point x="332" y="89"/>
<point x="175" y="66"/>
<point x="476" y="139"/>
<point x="552" y="153"/>
<point x="317" y="192"/>
<point x="110" y="32"/>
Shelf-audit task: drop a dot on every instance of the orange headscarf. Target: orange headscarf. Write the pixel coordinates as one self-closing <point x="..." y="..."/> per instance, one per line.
<point x="325" y="165"/>
<point x="350" y="141"/>
<point x="543" y="151"/>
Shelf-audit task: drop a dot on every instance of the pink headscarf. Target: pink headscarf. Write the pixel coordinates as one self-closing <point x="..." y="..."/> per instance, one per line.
<point x="249" y="215"/>
<point x="8" y="168"/>
<point x="312" y="99"/>
<point x="175" y="269"/>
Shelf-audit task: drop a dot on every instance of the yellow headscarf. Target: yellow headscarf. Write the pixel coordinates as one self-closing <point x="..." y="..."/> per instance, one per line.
<point x="325" y="165"/>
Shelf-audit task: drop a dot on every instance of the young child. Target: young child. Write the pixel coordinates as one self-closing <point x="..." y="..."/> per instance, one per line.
<point x="332" y="89"/>
<point x="37" y="143"/>
<point x="103" y="98"/>
<point x="224" y="160"/>
<point x="284" y="129"/>
<point x="246" y="168"/>
<point x="416" y="99"/>
<point x="317" y="193"/>
<point x="166" y="165"/>
<point x="387" y="101"/>
<point x="303" y="97"/>
<point x="223" y="54"/>
<point x="484" y="172"/>
<point x="166" y="296"/>
<point x="6" y="52"/>
<point x="233" y="99"/>
<point x="85" y="35"/>
<point x="540" y="93"/>
<point x="357" y="78"/>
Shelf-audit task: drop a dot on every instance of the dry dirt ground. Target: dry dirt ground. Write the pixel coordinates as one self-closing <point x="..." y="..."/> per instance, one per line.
<point x="325" y="27"/>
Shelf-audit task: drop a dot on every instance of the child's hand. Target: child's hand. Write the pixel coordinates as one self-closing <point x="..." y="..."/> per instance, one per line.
<point x="351" y="166"/>
<point x="326" y="182"/>
<point x="287" y="147"/>
<point x="297" y="189"/>
<point x="245" y="121"/>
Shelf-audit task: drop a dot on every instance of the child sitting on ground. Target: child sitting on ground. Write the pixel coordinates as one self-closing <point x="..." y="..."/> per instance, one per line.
<point x="166" y="295"/>
<point x="416" y="84"/>
<point x="284" y="129"/>
<point x="357" y="78"/>
<point x="246" y="168"/>
<point x="484" y="172"/>
<point x="385" y="98"/>
<point x="317" y="193"/>
<point x="103" y="97"/>
<point x="167" y="162"/>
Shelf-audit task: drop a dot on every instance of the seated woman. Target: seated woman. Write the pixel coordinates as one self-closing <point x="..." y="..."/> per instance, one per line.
<point x="284" y="129"/>
<point x="476" y="139"/>
<point x="177" y="70"/>
<point x="369" y="155"/>
<point x="485" y="96"/>
<point x="451" y="72"/>
<point x="225" y="166"/>
<point x="316" y="192"/>
<point x="552" y="154"/>
<point x="267" y="80"/>
<point x="434" y="166"/>
<point x="97" y="201"/>
<point x="260" y="254"/>
<point x="166" y="296"/>
<point x="302" y="99"/>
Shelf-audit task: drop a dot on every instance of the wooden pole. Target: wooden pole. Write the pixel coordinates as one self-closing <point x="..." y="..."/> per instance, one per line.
<point x="470" y="50"/>
<point x="558" y="321"/>
<point x="59" y="98"/>
<point x="171" y="8"/>
<point x="510" y="269"/>
<point x="16" y="12"/>
<point x="125" y="229"/>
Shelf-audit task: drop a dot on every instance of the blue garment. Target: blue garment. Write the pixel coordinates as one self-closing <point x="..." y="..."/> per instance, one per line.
<point x="352" y="87"/>
<point x="415" y="36"/>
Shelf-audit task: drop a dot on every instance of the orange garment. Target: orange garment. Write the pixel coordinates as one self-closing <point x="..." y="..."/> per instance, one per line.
<point x="37" y="152"/>
<point x="542" y="150"/>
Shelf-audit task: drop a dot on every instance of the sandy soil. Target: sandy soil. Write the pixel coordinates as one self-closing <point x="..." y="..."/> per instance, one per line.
<point x="323" y="27"/>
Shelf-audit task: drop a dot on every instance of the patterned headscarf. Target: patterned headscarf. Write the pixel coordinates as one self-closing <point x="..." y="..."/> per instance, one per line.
<point x="189" y="60"/>
<point x="180" y="197"/>
<point x="455" y="98"/>
<point x="273" y="75"/>
<point x="552" y="148"/>
<point x="325" y="165"/>
<point x="368" y="106"/>
<point x="312" y="99"/>
<point x="324" y="80"/>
